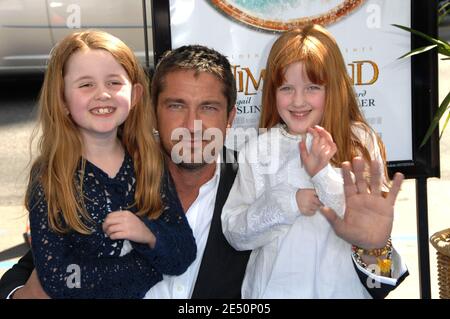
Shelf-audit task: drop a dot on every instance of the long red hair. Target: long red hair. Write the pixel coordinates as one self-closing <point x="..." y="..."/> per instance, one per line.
<point x="60" y="144"/>
<point x="317" y="49"/>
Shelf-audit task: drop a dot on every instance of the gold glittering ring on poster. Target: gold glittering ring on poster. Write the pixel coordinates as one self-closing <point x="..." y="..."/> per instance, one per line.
<point x="282" y="15"/>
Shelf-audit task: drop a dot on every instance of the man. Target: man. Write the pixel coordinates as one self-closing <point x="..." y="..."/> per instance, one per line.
<point x="194" y="93"/>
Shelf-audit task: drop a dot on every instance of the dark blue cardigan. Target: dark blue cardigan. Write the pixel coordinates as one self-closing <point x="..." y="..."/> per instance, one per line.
<point x="90" y="266"/>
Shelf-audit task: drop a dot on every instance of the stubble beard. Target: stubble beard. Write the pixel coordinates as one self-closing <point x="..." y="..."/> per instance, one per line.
<point x="183" y="165"/>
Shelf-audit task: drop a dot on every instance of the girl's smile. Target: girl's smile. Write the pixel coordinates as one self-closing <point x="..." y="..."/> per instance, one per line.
<point x="102" y="110"/>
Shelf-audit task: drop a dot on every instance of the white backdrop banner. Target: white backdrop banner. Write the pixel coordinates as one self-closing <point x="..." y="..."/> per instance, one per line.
<point x="244" y="31"/>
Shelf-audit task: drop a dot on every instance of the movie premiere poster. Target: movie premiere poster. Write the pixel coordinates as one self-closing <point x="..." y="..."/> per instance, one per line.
<point x="244" y="31"/>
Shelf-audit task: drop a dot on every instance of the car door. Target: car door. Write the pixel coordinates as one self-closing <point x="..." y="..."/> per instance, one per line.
<point x="25" y="38"/>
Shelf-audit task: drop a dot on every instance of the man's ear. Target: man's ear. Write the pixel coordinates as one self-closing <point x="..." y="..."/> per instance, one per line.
<point x="136" y="93"/>
<point x="231" y="116"/>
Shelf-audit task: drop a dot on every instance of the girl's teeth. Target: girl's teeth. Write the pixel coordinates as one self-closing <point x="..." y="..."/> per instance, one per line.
<point x="300" y="113"/>
<point x="104" y="110"/>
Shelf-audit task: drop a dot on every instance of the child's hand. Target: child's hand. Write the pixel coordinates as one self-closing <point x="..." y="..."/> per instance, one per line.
<point x="322" y="150"/>
<point x="307" y="201"/>
<point x="123" y="224"/>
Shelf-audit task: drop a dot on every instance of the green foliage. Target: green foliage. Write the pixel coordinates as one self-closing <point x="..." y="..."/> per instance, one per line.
<point x="443" y="48"/>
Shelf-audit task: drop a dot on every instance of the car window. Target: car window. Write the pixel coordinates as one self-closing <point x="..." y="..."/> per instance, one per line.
<point x="30" y="28"/>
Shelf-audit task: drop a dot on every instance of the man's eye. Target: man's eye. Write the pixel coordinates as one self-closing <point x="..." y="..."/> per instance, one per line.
<point x="209" y="108"/>
<point x="175" y="106"/>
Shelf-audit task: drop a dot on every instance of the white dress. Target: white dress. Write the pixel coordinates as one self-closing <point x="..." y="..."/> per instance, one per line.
<point x="294" y="256"/>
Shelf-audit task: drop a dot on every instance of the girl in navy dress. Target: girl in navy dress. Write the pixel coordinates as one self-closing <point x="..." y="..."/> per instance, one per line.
<point x="105" y="219"/>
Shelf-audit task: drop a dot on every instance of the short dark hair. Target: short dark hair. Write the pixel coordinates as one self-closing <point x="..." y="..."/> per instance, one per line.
<point x="199" y="59"/>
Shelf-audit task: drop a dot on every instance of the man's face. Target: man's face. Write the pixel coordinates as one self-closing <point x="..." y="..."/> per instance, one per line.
<point x="192" y="117"/>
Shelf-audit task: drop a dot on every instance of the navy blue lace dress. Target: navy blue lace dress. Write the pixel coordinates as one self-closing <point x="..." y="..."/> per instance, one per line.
<point x="93" y="266"/>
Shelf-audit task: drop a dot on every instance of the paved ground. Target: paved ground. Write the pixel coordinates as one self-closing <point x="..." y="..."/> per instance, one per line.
<point x="13" y="216"/>
<point x="16" y="125"/>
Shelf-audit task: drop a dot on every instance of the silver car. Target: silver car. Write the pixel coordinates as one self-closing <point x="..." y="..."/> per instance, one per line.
<point x="30" y="28"/>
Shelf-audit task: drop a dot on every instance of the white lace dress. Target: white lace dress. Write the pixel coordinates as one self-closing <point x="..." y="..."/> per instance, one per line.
<point x="294" y="256"/>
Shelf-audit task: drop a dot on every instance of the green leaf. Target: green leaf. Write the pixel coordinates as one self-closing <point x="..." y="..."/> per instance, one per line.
<point x="444" y="50"/>
<point x="445" y="125"/>
<point x="437" y="41"/>
<point x="418" y="51"/>
<point x="444" y="10"/>
<point x="434" y="123"/>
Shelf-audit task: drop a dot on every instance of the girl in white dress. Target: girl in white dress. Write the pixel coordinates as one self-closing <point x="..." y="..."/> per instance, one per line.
<point x="286" y="174"/>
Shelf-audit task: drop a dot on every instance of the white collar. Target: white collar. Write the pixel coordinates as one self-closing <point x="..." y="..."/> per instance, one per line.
<point x="215" y="178"/>
<point x="284" y="132"/>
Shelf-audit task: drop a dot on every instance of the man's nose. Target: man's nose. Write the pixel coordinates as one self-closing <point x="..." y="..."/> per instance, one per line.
<point x="191" y="121"/>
